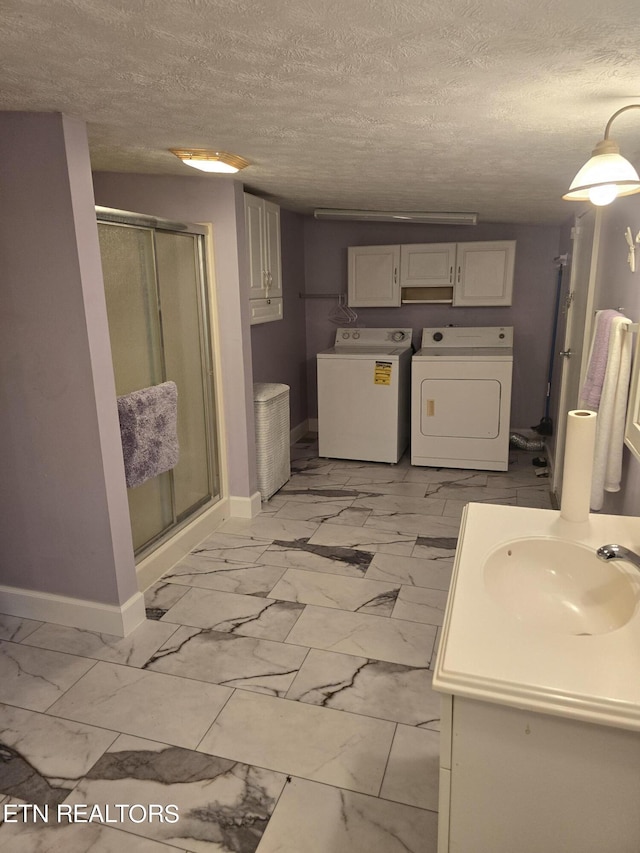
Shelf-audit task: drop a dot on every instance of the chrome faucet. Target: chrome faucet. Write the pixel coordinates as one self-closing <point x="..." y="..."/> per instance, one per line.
<point x="617" y="552"/>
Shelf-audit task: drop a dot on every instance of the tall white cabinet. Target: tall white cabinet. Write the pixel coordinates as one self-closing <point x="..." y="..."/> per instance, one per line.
<point x="262" y="224"/>
<point x="461" y="274"/>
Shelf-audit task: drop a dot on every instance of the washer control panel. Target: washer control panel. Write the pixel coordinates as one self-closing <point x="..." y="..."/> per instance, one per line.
<point x="399" y="335"/>
<point x="373" y="337"/>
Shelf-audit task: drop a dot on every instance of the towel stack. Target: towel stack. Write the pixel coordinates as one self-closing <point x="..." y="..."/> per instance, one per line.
<point x="606" y="391"/>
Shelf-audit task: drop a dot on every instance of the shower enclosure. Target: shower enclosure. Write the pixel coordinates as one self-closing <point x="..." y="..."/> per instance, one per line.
<point x="155" y="281"/>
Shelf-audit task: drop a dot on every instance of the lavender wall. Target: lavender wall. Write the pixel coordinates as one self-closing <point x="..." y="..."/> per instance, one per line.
<point x="531" y="314"/>
<point x="279" y="348"/>
<point x="63" y="500"/>
<point x="220" y="201"/>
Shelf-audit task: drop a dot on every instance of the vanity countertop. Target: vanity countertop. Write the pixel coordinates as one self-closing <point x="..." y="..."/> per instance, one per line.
<point x="489" y="653"/>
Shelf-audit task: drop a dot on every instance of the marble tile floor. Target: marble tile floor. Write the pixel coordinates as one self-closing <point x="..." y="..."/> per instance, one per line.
<point x="278" y="697"/>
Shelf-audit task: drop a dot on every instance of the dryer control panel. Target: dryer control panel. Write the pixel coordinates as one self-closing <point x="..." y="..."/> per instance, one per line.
<point x="468" y="336"/>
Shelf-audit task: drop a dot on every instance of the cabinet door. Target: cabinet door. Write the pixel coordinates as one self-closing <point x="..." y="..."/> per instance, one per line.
<point x="373" y="276"/>
<point x="265" y="310"/>
<point x="484" y="273"/>
<point x="427" y="264"/>
<point x="272" y="249"/>
<point x="254" y="226"/>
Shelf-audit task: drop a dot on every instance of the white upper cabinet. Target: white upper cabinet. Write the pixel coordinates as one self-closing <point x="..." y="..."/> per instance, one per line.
<point x="272" y="246"/>
<point x="484" y="273"/>
<point x="427" y="264"/>
<point x="262" y="225"/>
<point x="427" y="272"/>
<point x="374" y="276"/>
<point x="479" y="273"/>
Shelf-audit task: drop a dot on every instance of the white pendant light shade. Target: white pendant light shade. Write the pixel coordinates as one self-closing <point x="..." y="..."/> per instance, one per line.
<point x="607" y="175"/>
<point x="604" y="176"/>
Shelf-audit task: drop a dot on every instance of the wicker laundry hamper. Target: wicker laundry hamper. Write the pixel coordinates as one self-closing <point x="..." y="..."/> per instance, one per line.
<point x="271" y="408"/>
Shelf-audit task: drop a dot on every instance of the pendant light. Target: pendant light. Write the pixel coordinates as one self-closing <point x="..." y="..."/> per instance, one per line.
<point x="210" y="161"/>
<point x="607" y="175"/>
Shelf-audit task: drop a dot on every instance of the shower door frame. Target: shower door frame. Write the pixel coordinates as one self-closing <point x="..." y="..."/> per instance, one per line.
<point x="210" y="374"/>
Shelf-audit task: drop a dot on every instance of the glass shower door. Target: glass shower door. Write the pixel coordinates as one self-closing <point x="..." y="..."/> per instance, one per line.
<point x="159" y="330"/>
<point x="184" y="346"/>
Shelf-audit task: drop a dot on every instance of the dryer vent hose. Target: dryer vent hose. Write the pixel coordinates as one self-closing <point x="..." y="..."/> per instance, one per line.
<point x="522" y="443"/>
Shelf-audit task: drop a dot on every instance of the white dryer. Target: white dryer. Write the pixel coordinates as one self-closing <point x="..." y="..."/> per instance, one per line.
<point x="364" y="393"/>
<point x="461" y="398"/>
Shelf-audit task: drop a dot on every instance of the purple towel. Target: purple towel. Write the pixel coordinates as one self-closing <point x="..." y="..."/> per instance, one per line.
<point x="592" y="388"/>
<point x="148" y="428"/>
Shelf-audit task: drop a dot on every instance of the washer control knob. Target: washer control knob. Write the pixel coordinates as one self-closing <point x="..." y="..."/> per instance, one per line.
<point x="356" y="335"/>
<point x="501" y="336"/>
<point x="398" y="336"/>
<point x="438" y="336"/>
<point x="345" y="336"/>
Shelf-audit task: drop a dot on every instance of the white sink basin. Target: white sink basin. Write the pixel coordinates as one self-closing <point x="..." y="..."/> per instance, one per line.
<point x="559" y="586"/>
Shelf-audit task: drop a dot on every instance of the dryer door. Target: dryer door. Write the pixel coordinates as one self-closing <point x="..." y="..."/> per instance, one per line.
<point x="460" y="408"/>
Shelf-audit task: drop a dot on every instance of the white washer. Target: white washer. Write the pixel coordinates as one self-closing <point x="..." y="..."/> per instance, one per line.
<point x="364" y="388"/>
<point x="461" y="398"/>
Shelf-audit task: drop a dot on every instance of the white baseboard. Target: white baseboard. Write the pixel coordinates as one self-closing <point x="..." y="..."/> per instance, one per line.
<point x="299" y="432"/>
<point x="152" y="568"/>
<point x="245" y="507"/>
<point x="74" y="612"/>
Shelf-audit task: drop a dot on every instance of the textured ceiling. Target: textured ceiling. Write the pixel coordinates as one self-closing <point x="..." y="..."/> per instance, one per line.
<point x="487" y="106"/>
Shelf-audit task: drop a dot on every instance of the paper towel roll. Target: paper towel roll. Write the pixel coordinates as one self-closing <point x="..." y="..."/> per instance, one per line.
<point x="578" y="465"/>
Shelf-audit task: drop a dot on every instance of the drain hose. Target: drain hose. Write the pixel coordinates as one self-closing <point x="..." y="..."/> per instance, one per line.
<point x="522" y="443"/>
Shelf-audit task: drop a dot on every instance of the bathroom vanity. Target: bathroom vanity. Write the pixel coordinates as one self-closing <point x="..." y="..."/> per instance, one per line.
<point x="539" y="667"/>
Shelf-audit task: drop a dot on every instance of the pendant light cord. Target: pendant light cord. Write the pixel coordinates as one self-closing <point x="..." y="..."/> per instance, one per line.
<point x="616" y="114"/>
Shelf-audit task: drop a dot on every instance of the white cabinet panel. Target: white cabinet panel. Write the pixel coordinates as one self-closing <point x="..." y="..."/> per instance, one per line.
<point x="427" y="264"/>
<point x="254" y="228"/>
<point x="265" y="310"/>
<point x="444" y="808"/>
<point x="529" y="782"/>
<point x="484" y="273"/>
<point x="272" y="249"/>
<point x="373" y="276"/>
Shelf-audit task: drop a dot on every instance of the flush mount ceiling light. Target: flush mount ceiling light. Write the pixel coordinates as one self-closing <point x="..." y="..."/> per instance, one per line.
<point x="431" y="217"/>
<point x="210" y="161"/>
<point x="607" y="175"/>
